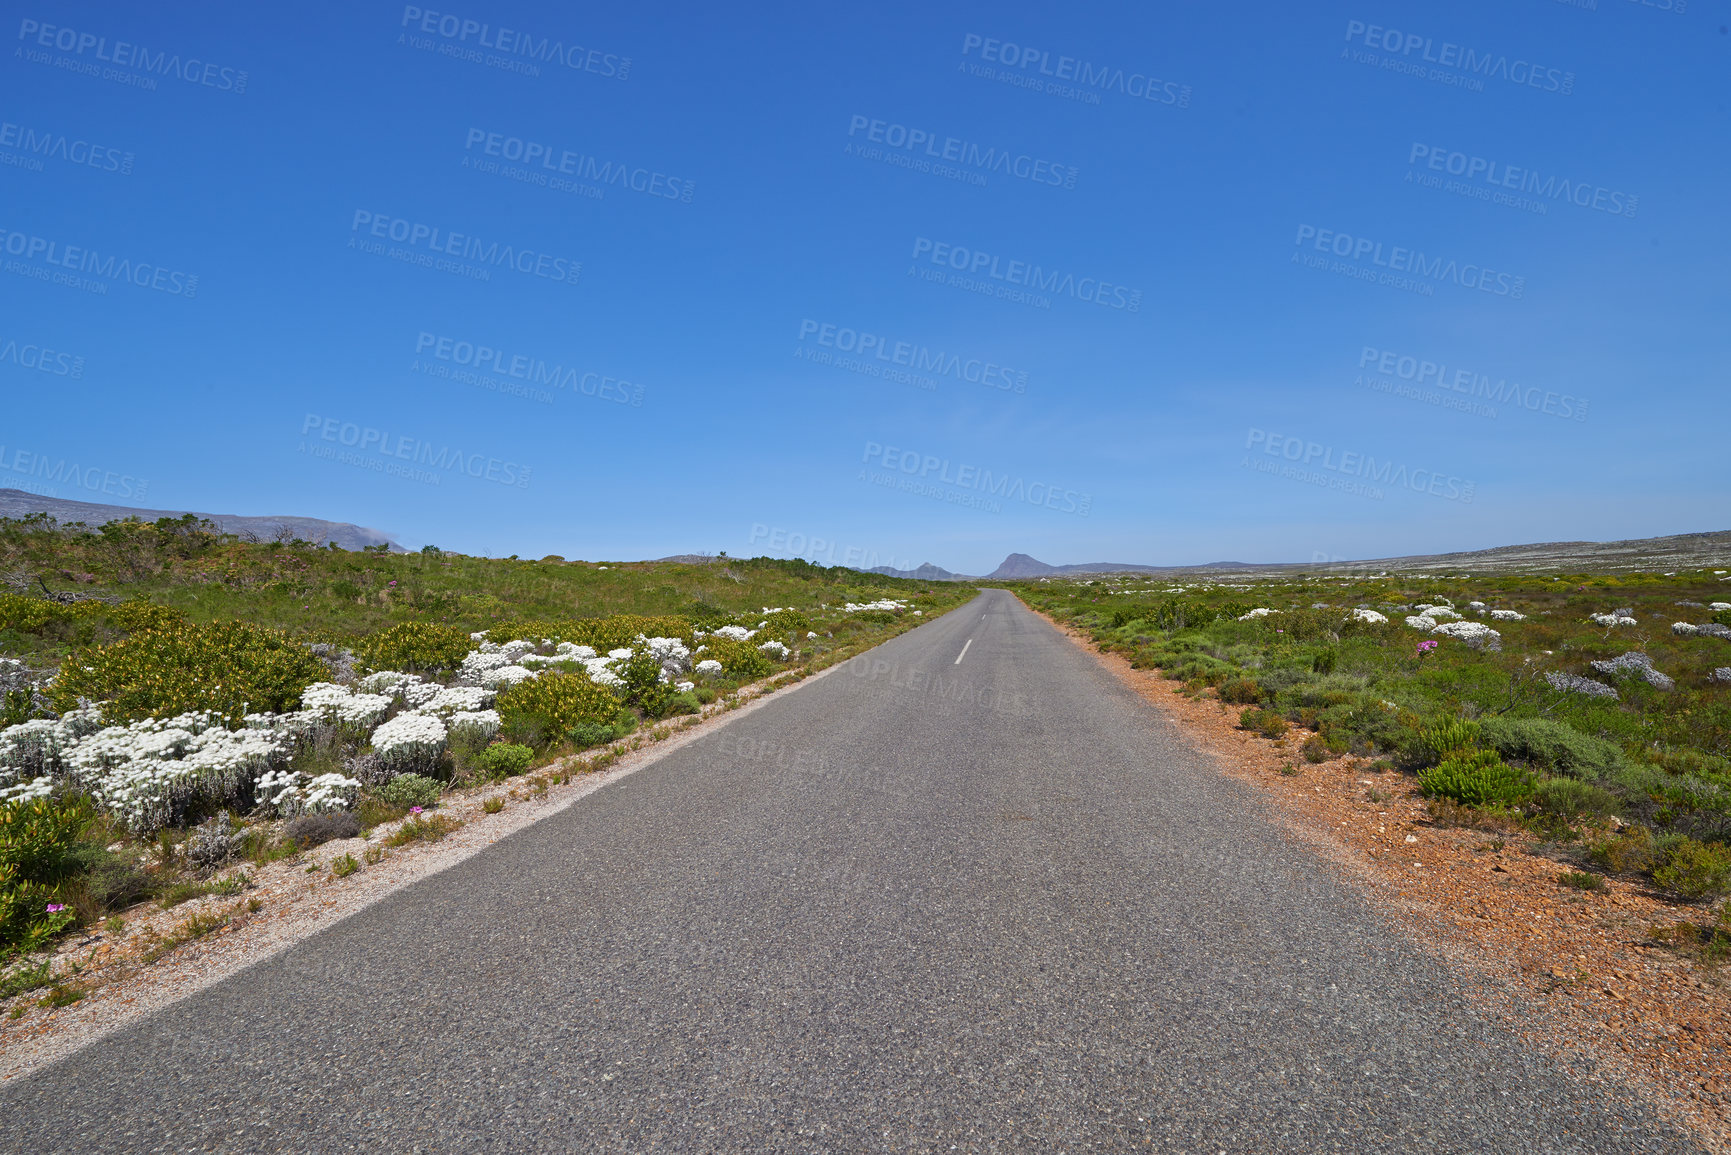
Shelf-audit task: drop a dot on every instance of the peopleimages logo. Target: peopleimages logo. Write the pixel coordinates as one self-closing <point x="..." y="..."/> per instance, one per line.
<point x="1423" y="373"/>
<point x="977" y="263"/>
<point x="1091" y="78"/>
<point x="930" y="146"/>
<point x="41" y="358"/>
<point x="1475" y="64"/>
<point x="88" y="478"/>
<point x="1502" y="179"/>
<point x="532" y="371"/>
<point x="388" y="453"/>
<point x="917" y="358"/>
<point x="35" y="144"/>
<point x="460" y="31"/>
<point x="126" y="55"/>
<point x="919" y="468"/>
<point x="1351" y="468"/>
<point x="562" y="162"/>
<point x="463" y="247"/>
<point x="1413" y="261"/>
<point x="80" y="259"/>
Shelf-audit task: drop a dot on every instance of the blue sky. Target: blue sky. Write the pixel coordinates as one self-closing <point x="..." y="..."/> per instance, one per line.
<point x="1165" y="284"/>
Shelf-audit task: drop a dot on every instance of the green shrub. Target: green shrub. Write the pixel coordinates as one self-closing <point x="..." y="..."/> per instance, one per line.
<point x="1581" y="880"/>
<point x="782" y="623"/>
<point x="27" y="614"/>
<point x="1240" y="692"/>
<point x="230" y="667"/>
<point x="1440" y="739"/>
<point x="1568" y="798"/>
<point x="1553" y="746"/>
<point x="1325" y="662"/>
<point x="1694" y="870"/>
<point x="740" y="661"/>
<point x="1265" y="722"/>
<point x="504" y="759"/>
<point x="544" y="710"/>
<point x="587" y="734"/>
<point x="135" y="616"/>
<point x="1315" y="749"/>
<point x="1479" y="778"/>
<point x="37" y="843"/>
<point x="1631" y="852"/>
<point x="415" y="647"/>
<point x="411" y="790"/>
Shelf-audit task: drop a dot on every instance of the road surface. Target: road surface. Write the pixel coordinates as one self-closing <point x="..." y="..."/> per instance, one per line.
<point x="969" y="893"/>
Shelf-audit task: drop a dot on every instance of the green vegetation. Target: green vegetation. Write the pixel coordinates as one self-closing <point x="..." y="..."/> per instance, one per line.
<point x="504" y="760"/>
<point x="1476" y="719"/>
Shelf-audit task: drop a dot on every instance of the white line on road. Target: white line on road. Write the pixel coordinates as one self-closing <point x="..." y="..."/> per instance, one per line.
<point x="964" y="652"/>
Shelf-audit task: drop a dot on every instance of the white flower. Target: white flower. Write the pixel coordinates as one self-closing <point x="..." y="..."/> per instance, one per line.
<point x="1421" y="622"/>
<point x="340" y="705"/>
<point x="1508" y="615"/>
<point x="775" y="650"/>
<point x="684" y="687"/>
<point x="1370" y="616"/>
<point x="1719" y="605"/>
<point x="458" y="698"/>
<point x="409" y="742"/>
<point x="622" y="654"/>
<point x="881" y="604"/>
<point x="709" y="667"/>
<point x="1613" y="620"/>
<point x="811" y="634"/>
<point x="478" y="636"/>
<point x="1467" y="631"/>
<point x="1686" y="629"/>
<point x="1476" y="605"/>
<point x="1258" y="612"/>
<point x="737" y="633"/>
<point x="672" y="653"/>
<point x="516" y="649"/>
<point x="475" y="723"/>
<point x="506" y="676"/>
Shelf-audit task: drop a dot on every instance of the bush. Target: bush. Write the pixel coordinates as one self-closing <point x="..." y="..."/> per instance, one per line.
<point x="1553" y="746"/>
<point x="608" y="633"/>
<point x="310" y="830"/>
<point x="1325" y="662"/>
<point x="1477" y="779"/>
<point x="590" y="734"/>
<point x="1240" y="692"/>
<point x="135" y="616"/>
<point x="740" y="661"/>
<point x="504" y="760"/>
<point x="1629" y="853"/>
<point x="544" y="710"/>
<point x="1315" y="749"/>
<point x="37" y="841"/>
<point x="411" y="790"/>
<point x="1568" y="798"/>
<point x="232" y="668"/>
<point x="1265" y="722"/>
<point x="1581" y="880"/>
<point x="1695" y="870"/>
<point x="1441" y="739"/>
<point x="415" y="647"/>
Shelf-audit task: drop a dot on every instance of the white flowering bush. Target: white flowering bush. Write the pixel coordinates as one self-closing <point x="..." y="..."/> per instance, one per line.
<point x="341" y="706"/>
<point x="412" y="690"/>
<point x="478" y="663"/>
<point x="1508" y="616"/>
<point x="1717" y="606"/>
<point x="1421" y="622"/>
<point x="709" y="668"/>
<point x="458" y="699"/>
<point x="889" y="604"/>
<point x="775" y="650"/>
<point x="291" y="793"/>
<point x="1613" y="619"/>
<point x="503" y="676"/>
<point x="26" y="790"/>
<point x="736" y="633"/>
<point x="410" y="743"/>
<point x="1258" y="612"/>
<point x="1476" y="633"/>
<point x="474" y="726"/>
<point x="1635" y="664"/>
<point x="1370" y="617"/>
<point x="1575" y="684"/>
<point x="673" y="654"/>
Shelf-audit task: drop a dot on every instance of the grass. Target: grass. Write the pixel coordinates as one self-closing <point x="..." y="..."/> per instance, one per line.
<point x="344" y="865"/>
<point x="195" y="926"/>
<point x="493" y="805"/>
<point x="422" y="828"/>
<point x="181" y="892"/>
<point x="26" y="977"/>
<point x="1581" y="880"/>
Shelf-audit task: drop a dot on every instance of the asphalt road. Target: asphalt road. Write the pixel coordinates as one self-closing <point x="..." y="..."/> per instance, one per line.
<point x="917" y="905"/>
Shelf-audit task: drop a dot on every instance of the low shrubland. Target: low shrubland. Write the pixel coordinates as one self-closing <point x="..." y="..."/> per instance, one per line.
<point x="174" y="714"/>
<point x="1594" y="711"/>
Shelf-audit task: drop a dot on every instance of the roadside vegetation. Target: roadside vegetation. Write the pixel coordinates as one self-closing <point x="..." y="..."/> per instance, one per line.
<point x="178" y="706"/>
<point x="1592" y="712"/>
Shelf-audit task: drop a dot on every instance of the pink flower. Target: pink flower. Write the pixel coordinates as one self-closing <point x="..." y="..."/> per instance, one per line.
<point x="56" y="907"/>
<point x="414" y="810"/>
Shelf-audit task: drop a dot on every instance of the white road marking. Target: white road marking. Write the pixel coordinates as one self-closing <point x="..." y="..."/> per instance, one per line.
<point x="964" y="652"/>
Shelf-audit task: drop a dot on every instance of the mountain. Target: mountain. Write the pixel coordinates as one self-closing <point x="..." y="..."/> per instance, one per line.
<point x="1677" y="551"/>
<point x="926" y="572"/>
<point x="17" y="503"/>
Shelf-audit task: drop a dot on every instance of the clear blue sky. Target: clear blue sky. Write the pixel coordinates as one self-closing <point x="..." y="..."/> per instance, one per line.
<point x="1219" y="218"/>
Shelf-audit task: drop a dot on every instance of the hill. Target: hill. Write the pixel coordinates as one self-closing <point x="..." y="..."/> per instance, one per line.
<point x="16" y="503"/>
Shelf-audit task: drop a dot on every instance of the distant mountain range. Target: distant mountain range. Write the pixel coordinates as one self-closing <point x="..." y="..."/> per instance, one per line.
<point x="1679" y="551"/>
<point x="17" y="503"/>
